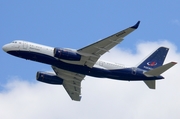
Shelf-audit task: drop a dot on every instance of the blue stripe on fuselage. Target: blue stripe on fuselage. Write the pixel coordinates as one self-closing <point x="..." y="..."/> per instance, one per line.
<point x="43" y="58"/>
<point x="119" y="74"/>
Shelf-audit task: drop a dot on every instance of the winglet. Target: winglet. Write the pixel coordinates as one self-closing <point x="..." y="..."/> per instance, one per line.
<point x="136" y="25"/>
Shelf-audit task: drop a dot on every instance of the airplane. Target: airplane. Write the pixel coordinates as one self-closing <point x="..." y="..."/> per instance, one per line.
<point x="71" y="66"/>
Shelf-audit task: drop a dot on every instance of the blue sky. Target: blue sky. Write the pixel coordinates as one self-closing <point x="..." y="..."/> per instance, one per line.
<point x="75" y="24"/>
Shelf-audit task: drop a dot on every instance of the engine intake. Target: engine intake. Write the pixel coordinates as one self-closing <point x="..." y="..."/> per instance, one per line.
<point x="66" y="54"/>
<point x="49" y="78"/>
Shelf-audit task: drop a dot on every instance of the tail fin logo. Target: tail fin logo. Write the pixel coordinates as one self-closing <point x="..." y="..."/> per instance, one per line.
<point x="152" y="63"/>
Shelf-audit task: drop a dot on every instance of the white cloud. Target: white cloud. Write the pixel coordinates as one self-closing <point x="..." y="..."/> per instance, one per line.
<point x="101" y="98"/>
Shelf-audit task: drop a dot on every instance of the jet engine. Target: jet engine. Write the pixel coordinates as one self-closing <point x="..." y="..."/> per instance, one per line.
<point x="66" y="54"/>
<point x="49" y="78"/>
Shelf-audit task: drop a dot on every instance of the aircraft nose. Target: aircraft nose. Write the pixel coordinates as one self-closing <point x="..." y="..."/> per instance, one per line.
<point x="5" y="48"/>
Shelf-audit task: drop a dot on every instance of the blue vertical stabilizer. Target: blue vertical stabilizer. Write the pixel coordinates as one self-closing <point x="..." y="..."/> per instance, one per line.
<point x="155" y="60"/>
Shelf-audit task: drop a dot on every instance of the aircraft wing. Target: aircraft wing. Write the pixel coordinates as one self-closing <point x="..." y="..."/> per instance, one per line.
<point x="71" y="82"/>
<point x="91" y="53"/>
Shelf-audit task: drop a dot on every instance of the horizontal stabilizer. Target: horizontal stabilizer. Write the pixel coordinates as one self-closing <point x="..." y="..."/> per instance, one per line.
<point x="159" y="70"/>
<point x="151" y="84"/>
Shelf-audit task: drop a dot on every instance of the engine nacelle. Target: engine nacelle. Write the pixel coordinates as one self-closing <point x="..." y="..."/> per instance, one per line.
<point x="66" y="54"/>
<point x="49" y="78"/>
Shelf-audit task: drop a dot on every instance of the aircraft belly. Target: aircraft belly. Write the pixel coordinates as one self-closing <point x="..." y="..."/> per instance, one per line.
<point x="127" y="75"/>
<point x="38" y="57"/>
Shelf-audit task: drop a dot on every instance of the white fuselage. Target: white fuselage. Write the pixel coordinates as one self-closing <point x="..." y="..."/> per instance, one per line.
<point x="20" y="45"/>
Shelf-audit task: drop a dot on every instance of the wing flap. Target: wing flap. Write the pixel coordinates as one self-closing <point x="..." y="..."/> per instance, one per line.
<point x="72" y="88"/>
<point x="71" y="82"/>
<point x="74" y="91"/>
